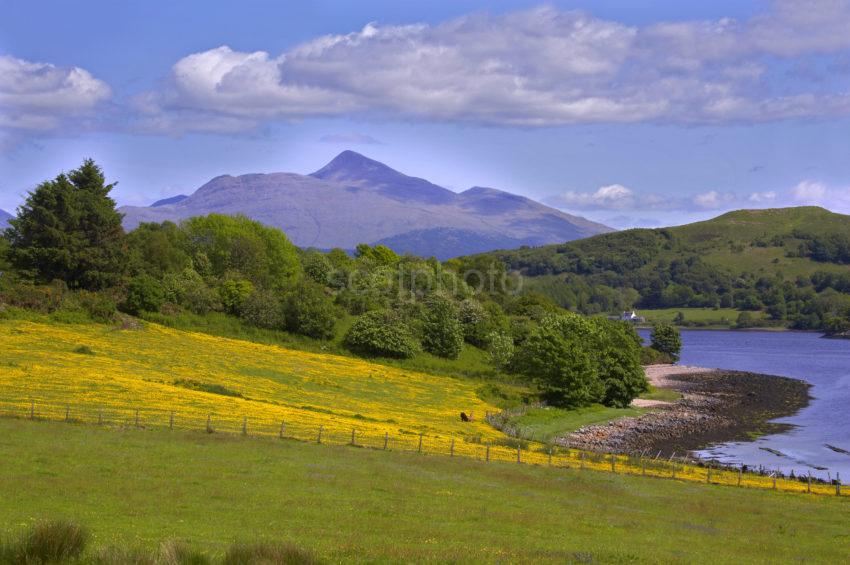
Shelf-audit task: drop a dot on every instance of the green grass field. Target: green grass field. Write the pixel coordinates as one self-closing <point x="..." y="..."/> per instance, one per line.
<point x="545" y="424"/>
<point x="139" y="487"/>
<point x="704" y="317"/>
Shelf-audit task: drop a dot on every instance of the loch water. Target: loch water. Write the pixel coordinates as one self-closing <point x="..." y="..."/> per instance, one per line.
<point x="825" y="363"/>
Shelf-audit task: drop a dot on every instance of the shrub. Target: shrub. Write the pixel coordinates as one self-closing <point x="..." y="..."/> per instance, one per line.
<point x="442" y="334"/>
<point x="257" y="553"/>
<point x="99" y="306"/>
<point x="83" y="350"/>
<point x="263" y="310"/>
<point x="308" y="311"/>
<point x="651" y="356"/>
<point x="666" y="339"/>
<point x="46" y="542"/>
<point x="317" y="267"/>
<point x="211" y="388"/>
<point x="175" y="552"/>
<point x="381" y="332"/>
<point x="144" y="294"/>
<point x="618" y="354"/>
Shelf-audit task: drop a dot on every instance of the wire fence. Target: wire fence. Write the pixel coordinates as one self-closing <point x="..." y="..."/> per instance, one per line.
<point x="507" y="450"/>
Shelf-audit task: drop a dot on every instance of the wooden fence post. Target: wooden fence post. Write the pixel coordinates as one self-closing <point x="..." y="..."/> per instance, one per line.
<point x="419" y="449"/>
<point x="452" y="448"/>
<point x="67" y="412"/>
<point x="740" y="475"/>
<point x="550" y="455"/>
<point x="613" y="464"/>
<point x="837" y="484"/>
<point x="518" y="452"/>
<point x="209" y="424"/>
<point x="774" y="479"/>
<point x="319" y="439"/>
<point x="487" y="454"/>
<point x="100" y="417"/>
<point x="581" y="459"/>
<point x="386" y="439"/>
<point x="282" y="430"/>
<point x="137" y="417"/>
<point x="32" y="410"/>
<point x="171" y="420"/>
<point x="642" y="466"/>
<point x="708" y="477"/>
<point x="352" y="437"/>
<point x="244" y="425"/>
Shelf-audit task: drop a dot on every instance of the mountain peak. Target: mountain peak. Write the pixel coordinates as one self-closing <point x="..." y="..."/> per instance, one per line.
<point x="350" y="165"/>
<point x="353" y="169"/>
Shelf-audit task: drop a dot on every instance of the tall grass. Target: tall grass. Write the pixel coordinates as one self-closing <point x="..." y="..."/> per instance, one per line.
<point x="45" y="542"/>
<point x="241" y="553"/>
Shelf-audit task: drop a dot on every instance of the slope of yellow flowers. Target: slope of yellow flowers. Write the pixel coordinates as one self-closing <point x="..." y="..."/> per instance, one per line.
<point x="142" y="368"/>
<point x="101" y="374"/>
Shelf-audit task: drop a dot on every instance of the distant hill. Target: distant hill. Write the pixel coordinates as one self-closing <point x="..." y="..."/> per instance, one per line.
<point x="774" y="260"/>
<point x="4" y="219"/>
<point x="170" y="200"/>
<point x="354" y="199"/>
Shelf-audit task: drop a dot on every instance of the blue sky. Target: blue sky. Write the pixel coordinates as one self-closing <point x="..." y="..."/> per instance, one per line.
<point x="630" y="113"/>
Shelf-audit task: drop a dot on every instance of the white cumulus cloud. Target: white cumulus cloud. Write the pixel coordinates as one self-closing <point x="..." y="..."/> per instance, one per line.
<point x="39" y="96"/>
<point x="537" y="67"/>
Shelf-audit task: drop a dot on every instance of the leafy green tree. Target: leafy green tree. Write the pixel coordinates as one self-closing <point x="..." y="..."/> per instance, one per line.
<point x="559" y="358"/>
<point x="666" y="339"/>
<point x="618" y="355"/>
<point x="442" y="334"/>
<point x="158" y="249"/>
<point x="261" y="254"/>
<point x="144" y="294"/>
<point x="383" y="333"/>
<point x="318" y="267"/>
<point x="309" y="311"/>
<point x="188" y="289"/>
<point x="379" y="254"/>
<point x="501" y="349"/>
<point x="68" y="229"/>
<point x="233" y="293"/>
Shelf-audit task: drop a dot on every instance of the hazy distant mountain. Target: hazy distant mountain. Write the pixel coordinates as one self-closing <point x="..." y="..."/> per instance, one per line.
<point x="4" y="219"/>
<point x="169" y="200"/>
<point x="354" y="199"/>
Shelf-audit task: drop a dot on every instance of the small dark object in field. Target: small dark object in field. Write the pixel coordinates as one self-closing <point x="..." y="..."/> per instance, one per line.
<point x="84" y="350"/>
<point x="464" y="417"/>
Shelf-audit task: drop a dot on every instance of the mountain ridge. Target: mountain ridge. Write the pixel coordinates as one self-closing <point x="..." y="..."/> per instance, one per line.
<point x="4" y="219"/>
<point x="354" y="199"/>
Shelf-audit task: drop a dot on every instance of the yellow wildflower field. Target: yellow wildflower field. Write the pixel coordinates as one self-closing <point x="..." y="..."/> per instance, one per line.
<point x="143" y="368"/>
<point x="96" y="373"/>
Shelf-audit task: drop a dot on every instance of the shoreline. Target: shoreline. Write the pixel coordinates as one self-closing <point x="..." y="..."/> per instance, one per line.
<point x="717" y="406"/>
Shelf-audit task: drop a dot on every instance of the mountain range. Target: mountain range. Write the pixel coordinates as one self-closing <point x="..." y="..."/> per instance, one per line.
<point x="354" y="199"/>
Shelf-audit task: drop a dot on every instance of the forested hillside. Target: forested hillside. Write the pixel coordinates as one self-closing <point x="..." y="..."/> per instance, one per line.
<point x="792" y="264"/>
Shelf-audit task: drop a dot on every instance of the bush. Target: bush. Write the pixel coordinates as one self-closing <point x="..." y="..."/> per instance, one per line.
<point x="83" y="350"/>
<point x="263" y="310"/>
<point x="666" y="339"/>
<point x="99" y="306"/>
<point x="618" y="353"/>
<point x="46" y="542"/>
<point x="241" y="553"/>
<point x="651" y="356"/>
<point x="308" y="311"/>
<point x="381" y="332"/>
<point x="144" y="294"/>
<point x="442" y="334"/>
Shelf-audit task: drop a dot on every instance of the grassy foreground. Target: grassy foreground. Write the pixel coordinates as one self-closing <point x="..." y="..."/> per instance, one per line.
<point x="139" y="487"/>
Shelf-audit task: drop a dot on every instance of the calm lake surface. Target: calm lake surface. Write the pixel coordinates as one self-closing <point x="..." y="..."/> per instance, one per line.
<point x="825" y="363"/>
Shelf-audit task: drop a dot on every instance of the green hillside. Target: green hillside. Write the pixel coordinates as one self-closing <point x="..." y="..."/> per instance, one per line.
<point x="792" y="264"/>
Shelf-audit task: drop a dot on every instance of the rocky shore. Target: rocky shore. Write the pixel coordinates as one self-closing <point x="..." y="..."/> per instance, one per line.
<point x="716" y="406"/>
